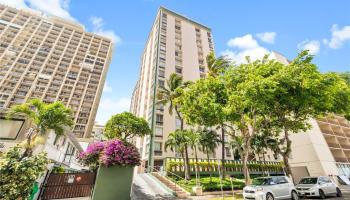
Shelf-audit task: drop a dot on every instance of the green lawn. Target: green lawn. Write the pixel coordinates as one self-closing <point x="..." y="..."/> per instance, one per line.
<point x="213" y="185"/>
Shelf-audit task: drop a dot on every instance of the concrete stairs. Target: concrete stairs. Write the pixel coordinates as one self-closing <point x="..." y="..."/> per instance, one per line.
<point x="180" y="192"/>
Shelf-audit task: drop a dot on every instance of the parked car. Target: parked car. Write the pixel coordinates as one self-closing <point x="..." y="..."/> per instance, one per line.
<point x="321" y="186"/>
<point x="270" y="188"/>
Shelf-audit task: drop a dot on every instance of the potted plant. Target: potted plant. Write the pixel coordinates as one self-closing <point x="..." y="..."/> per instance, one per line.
<point x="115" y="160"/>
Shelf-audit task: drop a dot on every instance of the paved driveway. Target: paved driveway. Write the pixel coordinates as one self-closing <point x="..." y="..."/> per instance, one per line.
<point x="346" y="195"/>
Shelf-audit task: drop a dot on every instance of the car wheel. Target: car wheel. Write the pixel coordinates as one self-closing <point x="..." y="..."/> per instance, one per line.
<point x="322" y="194"/>
<point x="339" y="194"/>
<point x="269" y="196"/>
<point x="295" y="195"/>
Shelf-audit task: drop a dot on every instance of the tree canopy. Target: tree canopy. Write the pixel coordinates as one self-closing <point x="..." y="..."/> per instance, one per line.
<point x="126" y="126"/>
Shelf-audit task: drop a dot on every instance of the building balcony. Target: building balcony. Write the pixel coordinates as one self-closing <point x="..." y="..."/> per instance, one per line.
<point x="158" y="153"/>
<point x="340" y="159"/>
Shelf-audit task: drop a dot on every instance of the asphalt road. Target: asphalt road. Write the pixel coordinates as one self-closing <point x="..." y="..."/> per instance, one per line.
<point x="346" y="196"/>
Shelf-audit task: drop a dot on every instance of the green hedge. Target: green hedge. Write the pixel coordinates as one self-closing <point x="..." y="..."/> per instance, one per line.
<point x="206" y="167"/>
<point x="207" y="185"/>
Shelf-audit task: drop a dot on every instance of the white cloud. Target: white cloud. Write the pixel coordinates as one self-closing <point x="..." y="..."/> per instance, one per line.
<point x="98" y="23"/>
<point x="268" y="37"/>
<point x="14" y="3"/>
<point x="339" y="37"/>
<point x="58" y="8"/>
<point x="313" y="46"/>
<point x="107" y="88"/>
<point x="247" y="46"/>
<point x="109" y="107"/>
<point x="244" y="42"/>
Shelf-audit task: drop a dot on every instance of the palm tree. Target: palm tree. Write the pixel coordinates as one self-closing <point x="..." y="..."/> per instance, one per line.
<point x="42" y="117"/>
<point x="169" y="95"/>
<point x="208" y="142"/>
<point x="259" y="144"/>
<point x="193" y="141"/>
<point x="215" y="67"/>
<point x="178" y="141"/>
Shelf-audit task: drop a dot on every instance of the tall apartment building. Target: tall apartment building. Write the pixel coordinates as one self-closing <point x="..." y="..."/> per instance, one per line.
<point x="51" y="59"/>
<point x="323" y="150"/>
<point x="178" y="45"/>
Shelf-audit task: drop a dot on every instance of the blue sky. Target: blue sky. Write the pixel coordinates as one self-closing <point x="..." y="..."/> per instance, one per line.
<point x="245" y="27"/>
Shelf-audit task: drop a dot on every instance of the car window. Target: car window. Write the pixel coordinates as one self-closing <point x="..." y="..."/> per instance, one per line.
<point x="274" y="180"/>
<point x="308" y="181"/>
<point x="282" y="180"/>
<point x="326" y="179"/>
<point x="261" y="181"/>
<point x="322" y="180"/>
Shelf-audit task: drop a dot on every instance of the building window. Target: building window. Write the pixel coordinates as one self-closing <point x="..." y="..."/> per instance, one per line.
<point x="177" y="123"/>
<point x="178" y="70"/>
<point x="161" y="73"/>
<point x="160" y="107"/>
<point x="228" y="152"/>
<point x="202" y="69"/>
<point x="10" y="128"/>
<point x="161" y="83"/>
<point x="159" y="131"/>
<point x="157" y="148"/>
<point x="159" y="119"/>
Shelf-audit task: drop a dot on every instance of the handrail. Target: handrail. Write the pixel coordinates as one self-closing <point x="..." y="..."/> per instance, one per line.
<point x="175" y="181"/>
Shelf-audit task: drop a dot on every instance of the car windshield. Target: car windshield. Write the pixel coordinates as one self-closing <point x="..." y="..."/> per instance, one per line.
<point x="261" y="181"/>
<point x="308" y="181"/>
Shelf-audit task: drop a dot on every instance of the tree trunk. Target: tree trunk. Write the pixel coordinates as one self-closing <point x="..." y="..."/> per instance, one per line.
<point x="222" y="153"/>
<point x="209" y="166"/>
<point x="186" y="150"/>
<point x="287" y="153"/>
<point x="187" y="169"/>
<point x="196" y="157"/>
<point x="245" y="167"/>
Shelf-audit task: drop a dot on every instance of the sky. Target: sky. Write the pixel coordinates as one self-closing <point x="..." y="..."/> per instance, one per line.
<point x="240" y="28"/>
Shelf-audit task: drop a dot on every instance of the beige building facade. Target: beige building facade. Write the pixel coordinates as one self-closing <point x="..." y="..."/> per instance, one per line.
<point x="176" y="44"/>
<point x="323" y="150"/>
<point x="51" y="59"/>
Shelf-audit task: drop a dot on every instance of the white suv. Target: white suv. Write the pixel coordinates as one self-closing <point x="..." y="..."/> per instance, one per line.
<point x="270" y="188"/>
<point x="320" y="186"/>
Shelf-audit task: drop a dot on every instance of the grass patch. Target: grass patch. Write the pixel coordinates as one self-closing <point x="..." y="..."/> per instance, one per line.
<point x="207" y="185"/>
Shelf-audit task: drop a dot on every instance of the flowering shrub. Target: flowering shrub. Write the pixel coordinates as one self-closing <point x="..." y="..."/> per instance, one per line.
<point x="110" y="153"/>
<point x="120" y="153"/>
<point x="91" y="156"/>
<point x="18" y="174"/>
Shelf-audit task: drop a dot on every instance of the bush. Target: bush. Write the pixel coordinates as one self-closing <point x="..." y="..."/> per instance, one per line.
<point x="110" y="153"/>
<point x="18" y="174"/>
<point x="204" y="166"/>
<point x="207" y="185"/>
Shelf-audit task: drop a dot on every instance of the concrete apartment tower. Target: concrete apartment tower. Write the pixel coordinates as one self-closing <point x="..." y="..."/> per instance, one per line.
<point x="51" y="59"/>
<point x="175" y="44"/>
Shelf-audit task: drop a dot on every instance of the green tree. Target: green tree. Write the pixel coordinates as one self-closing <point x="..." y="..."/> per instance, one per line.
<point x="250" y="88"/>
<point x="126" y="126"/>
<point x="18" y="175"/>
<point x="178" y="141"/>
<point x="170" y="95"/>
<point x="42" y="117"/>
<point x="305" y="93"/>
<point x="208" y="142"/>
<point x="216" y="67"/>
<point x="203" y="103"/>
